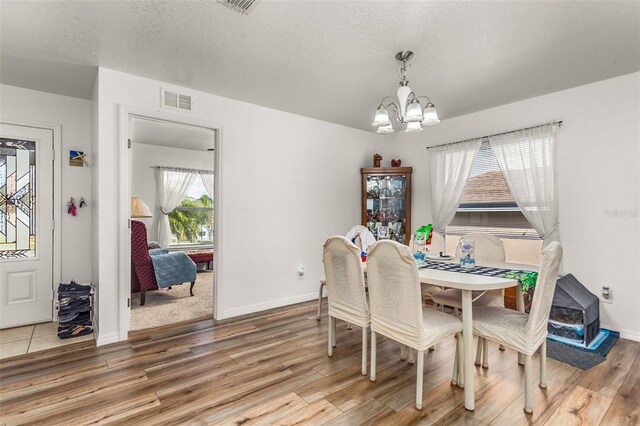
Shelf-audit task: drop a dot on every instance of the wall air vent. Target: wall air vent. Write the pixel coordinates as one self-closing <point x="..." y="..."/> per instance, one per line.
<point x="174" y="100"/>
<point x="240" y="6"/>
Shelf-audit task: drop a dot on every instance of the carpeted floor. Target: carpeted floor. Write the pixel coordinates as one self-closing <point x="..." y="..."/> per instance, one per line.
<point x="164" y="307"/>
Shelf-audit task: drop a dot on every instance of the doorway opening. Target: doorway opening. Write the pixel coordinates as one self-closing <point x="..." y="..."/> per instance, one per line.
<point x="172" y="229"/>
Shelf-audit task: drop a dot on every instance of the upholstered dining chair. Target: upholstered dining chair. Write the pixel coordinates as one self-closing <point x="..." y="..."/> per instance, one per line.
<point x="346" y="295"/>
<point x="525" y="333"/>
<point x="397" y="311"/>
<point x="362" y="238"/>
<point x="488" y="248"/>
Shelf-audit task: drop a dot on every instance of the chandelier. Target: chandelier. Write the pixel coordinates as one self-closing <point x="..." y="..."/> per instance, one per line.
<point x="408" y="110"/>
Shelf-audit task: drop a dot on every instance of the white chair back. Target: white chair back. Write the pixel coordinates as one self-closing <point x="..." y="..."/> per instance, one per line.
<point x="488" y="248"/>
<point x="394" y="293"/>
<point x="543" y="294"/>
<point x="345" y="281"/>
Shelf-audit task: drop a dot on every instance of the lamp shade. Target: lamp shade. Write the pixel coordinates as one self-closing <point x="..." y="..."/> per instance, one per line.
<point x="385" y="129"/>
<point x="414" y="112"/>
<point x="381" y="118"/>
<point x="139" y="208"/>
<point x="430" y="117"/>
<point x="413" y="126"/>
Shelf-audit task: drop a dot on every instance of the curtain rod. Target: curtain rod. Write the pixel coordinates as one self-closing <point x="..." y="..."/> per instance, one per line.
<point x="558" y="122"/>
<point x="183" y="169"/>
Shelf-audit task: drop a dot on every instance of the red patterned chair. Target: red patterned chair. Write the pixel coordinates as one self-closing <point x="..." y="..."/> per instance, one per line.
<point x="143" y="275"/>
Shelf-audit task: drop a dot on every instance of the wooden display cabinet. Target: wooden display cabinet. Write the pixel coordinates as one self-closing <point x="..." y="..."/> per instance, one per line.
<point x="386" y="202"/>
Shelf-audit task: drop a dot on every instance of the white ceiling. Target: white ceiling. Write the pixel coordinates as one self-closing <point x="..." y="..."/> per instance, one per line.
<point x="174" y="135"/>
<point x="332" y="60"/>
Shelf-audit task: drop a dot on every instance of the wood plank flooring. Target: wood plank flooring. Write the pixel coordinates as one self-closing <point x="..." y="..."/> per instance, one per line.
<point x="272" y="368"/>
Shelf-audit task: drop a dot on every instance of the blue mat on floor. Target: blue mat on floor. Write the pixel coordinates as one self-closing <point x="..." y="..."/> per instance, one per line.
<point x="581" y="357"/>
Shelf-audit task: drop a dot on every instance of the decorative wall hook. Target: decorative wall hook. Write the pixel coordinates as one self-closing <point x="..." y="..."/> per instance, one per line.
<point x="82" y="203"/>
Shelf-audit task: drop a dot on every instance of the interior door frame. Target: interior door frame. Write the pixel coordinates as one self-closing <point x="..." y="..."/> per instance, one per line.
<point x="124" y="261"/>
<point x="56" y="258"/>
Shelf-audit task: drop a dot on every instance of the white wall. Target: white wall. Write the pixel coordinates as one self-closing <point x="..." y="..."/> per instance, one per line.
<point x="598" y="177"/>
<point x="287" y="183"/>
<point x="144" y="159"/>
<point x="74" y="116"/>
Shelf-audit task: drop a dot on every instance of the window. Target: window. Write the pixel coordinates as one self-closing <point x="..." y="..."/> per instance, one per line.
<point x="488" y="206"/>
<point x="191" y="222"/>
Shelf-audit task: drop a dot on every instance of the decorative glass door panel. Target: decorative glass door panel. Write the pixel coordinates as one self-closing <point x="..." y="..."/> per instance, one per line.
<point x="17" y="198"/>
<point x="386" y="202"/>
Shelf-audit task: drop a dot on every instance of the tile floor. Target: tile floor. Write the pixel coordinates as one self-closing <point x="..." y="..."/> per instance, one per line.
<point x="33" y="338"/>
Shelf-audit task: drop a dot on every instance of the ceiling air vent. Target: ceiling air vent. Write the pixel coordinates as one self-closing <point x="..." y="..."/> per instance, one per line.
<point x="175" y="100"/>
<point x="240" y="6"/>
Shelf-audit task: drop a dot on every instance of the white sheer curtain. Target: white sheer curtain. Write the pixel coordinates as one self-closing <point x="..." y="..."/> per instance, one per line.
<point x="172" y="188"/>
<point x="527" y="159"/>
<point x="207" y="181"/>
<point x="449" y="167"/>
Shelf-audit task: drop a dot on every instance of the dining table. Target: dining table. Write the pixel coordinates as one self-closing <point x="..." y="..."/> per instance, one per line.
<point x="468" y="282"/>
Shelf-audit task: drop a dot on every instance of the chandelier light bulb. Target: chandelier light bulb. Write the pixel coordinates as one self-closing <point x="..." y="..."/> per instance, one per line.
<point x="414" y="112"/>
<point x="385" y="129"/>
<point x="430" y="117"/>
<point x="413" y="126"/>
<point x="381" y="118"/>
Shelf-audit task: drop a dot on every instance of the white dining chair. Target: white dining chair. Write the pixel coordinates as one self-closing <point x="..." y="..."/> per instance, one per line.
<point x="362" y="237"/>
<point x="488" y="248"/>
<point x="396" y="306"/>
<point x="525" y="333"/>
<point x="346" y="295"/>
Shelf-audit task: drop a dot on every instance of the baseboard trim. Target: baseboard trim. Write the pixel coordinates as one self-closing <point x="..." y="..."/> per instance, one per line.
<point x="624" y="333"/>
<point x="258" y="307"/>
<point x="107" y="338"/>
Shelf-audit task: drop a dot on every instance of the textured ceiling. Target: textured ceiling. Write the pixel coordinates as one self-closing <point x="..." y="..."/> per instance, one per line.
<point x="332" y="60"/>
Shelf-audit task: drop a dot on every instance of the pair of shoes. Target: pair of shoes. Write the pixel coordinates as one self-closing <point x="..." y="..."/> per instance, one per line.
<point x="78" y="305"/>
<point x="76" y="318"/>
<point x="73" y="289"/>
<point x="74" y="331"/>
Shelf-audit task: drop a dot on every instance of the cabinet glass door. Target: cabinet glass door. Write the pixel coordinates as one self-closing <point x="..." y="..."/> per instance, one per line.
<point x="386" y="207"/>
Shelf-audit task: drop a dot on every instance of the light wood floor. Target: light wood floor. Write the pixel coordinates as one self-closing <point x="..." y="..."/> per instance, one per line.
<point x="273" y="369"/>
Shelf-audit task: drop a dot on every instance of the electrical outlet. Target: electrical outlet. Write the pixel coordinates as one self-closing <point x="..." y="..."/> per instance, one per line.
<point x="606" y="296"/>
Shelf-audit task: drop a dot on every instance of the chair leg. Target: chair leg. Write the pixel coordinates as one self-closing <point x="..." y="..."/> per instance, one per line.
<point x="142" y="298"/>
<point x="330" y="336"/>
<point x="528" y="403"/>
<point x="365" y="331"/>
<point x="485" y="353"/>
<point x="479" y="352"/>
<point x="543" y="365"/>
<point x="333" y="331"/>
<point x="372" y="372"/>
<point x="191" y="288"/>
<point x="454" y="375"/>
<point x="456" y="312"/>
<point x="349" y="326"/>
<point x="320" y="301"/>
<point x="403" y="352"/>
<point x="419" y="378"/>
<point x="411" y="360"/>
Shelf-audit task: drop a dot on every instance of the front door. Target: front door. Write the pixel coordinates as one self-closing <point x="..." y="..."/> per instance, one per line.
<point x="26" y="225"/>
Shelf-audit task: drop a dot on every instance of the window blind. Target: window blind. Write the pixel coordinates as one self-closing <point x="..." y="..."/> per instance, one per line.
<point x="487" y="204"/>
